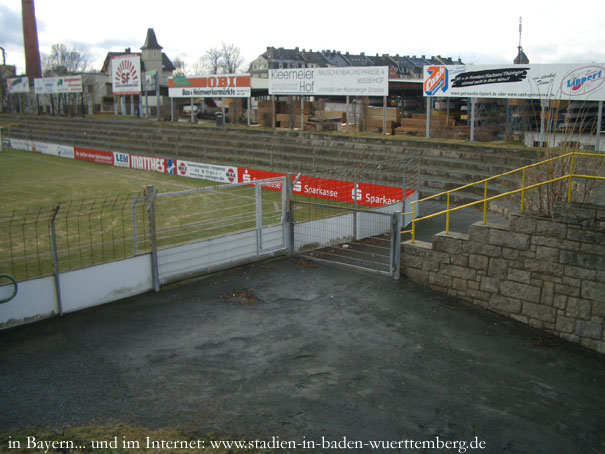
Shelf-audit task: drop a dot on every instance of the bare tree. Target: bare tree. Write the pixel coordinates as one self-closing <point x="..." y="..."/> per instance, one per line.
<point x="226" y="59"/>
<point x="231" y="58"/>
<point x="63" y="61"/>
<point x="180" y="66"/>
<point x="213" y="60"/>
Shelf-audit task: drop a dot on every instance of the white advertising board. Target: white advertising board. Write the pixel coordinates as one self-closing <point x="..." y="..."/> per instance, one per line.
<point x="351" y="81"/>
<point x="222" y="174"/>
<point x="54" y="85"/>
<point x="582" y="82"/>
<point x="210" y="86"/>
<point x="19" y="144"/>
<point x="126" y="74"/>
<point x="52" y="149"/>
<point x="17" y="85"/>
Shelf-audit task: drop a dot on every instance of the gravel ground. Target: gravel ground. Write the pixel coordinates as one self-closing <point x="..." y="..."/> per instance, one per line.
<point x="302" y="351"/>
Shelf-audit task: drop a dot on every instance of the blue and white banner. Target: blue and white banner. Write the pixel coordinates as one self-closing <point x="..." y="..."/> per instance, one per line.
<point x="582" y="82"/>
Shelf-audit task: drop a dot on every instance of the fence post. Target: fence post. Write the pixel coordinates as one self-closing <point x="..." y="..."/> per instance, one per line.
<point x="259" y="218"/>
<point x="135" y="241"/>
<point x="55" y="255"/>
<point x="289" y="221"/>
<point x="396" y="244"/>
<point x="155" y="275"/>
<point x="292" y="220"/>
<point x="355" y="192"/>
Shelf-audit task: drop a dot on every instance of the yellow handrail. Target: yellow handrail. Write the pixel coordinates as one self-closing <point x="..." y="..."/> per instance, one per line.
<point x="570" y="176"/>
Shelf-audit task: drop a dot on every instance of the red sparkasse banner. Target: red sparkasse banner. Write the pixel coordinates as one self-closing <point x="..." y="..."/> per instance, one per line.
<point x="327" y="189"/>
<point x="98" y="156"/>
<point x="246" y="175"/>
<point x="322" y="188"/>
<point x="377" y="196"/>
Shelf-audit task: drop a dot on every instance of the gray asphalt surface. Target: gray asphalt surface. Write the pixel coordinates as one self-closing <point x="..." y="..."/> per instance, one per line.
<point x="319" y="351"/>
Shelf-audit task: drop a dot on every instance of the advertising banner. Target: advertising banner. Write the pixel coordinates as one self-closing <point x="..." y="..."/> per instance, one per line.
<point x="149" y="81"/>
<point x="18" y="85"/>
<point x="334" y="190"/>
<point x="246" y="175"/>
<point x="97" y="156"/>
<point x="149" y="163"/>
<point x="19" y="144"/>
<point x="350" y="81"/>
<point x="52" y="149"/>
<point x="582" y="82"/>
<point x="211" y="172"/>
<point x="211" y="86"/>
<point x="54" y="85"/>
<point x="126" y="74"/>
<point x="121" y="159"/>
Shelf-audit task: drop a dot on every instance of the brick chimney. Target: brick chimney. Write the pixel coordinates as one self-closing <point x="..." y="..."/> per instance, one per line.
<point x="33" y="67"/>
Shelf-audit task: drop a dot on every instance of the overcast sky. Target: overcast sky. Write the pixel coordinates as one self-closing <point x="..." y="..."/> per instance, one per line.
<point x="479" y="32"/>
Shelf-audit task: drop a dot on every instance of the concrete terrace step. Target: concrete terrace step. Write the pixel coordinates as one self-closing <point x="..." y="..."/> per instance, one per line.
<point x="443" y="166"/>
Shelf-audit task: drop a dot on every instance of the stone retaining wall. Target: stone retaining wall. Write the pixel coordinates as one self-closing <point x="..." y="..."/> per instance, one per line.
<point x="548" y="273"/>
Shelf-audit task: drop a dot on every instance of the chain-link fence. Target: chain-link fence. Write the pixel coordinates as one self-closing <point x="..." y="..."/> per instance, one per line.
<point x="35" y="242"/>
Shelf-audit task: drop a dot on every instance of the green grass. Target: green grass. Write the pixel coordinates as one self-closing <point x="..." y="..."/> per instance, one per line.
<point x="96" y="219"/>
<point x="95" y="224"/>
<point x="33" y="180"/>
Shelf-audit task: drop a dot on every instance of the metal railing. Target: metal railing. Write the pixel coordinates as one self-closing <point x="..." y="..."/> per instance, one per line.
<point x="565" y="164"/>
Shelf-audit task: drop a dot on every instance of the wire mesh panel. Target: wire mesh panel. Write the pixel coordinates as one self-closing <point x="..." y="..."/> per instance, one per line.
<point x="25" y="246"/>
<point x="346" y="236"/>
<point x="206" y="229"/>
<point x="84" y="233"/>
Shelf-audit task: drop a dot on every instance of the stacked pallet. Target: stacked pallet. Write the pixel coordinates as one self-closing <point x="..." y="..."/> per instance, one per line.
<point x="289" y="121"/>
<point x="285" y="113"/>
<point x="265" y="111"/>
<point x="416" y="124"/>
<point x="375" y="118"/>
<point x="290" y="118"/>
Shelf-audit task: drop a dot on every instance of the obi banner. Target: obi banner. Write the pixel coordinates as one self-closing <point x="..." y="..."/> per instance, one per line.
<point x="17" y="85"/>
<point x="126" y="74"/>
<point x="211" y="86"/>
<point x="351" y="81"/>
<point x="560" y="82"/>
<point x="54" y="85"/>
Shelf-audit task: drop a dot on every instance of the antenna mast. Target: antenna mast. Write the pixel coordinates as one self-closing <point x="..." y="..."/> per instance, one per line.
<point x="520" y="30"/>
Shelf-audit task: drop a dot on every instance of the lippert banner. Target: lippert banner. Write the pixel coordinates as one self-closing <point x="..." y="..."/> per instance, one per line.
<point x="561" y="82"/>
<point x="350" y="81"/>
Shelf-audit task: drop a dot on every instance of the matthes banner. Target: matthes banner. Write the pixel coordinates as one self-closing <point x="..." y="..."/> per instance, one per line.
<point x="351" y="81"/>
<point x="560" y="82"/>
<point x="54" y="85"/>
<point x="126" y="74"/>
<point x="211" y="86"/>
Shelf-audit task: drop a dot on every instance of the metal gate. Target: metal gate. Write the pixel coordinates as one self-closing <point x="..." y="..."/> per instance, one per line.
<point x="357" y="238"/>
<point x="204" y="230"/>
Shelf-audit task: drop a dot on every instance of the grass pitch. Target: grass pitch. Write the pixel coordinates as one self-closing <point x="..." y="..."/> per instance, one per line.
<point x="102" y="215"/>
<point x="34" y="180"/>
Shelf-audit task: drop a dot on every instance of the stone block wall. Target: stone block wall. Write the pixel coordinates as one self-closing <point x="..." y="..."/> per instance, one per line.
<point x="548" y="273"/>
